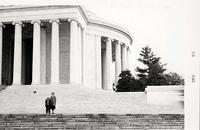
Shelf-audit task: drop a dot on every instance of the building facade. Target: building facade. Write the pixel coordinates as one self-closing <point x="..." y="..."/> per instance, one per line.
<point x="60" y="45"/>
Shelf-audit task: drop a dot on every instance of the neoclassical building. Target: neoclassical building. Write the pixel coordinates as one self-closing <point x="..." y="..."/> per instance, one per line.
<point x="60" y="44"/>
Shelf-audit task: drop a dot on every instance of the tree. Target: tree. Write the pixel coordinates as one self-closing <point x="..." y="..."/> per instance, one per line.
<point x="128" y="83"/>
<point x="173" y="78"/>
<point x="153" y="73"/>
<point x="124" y="83"/>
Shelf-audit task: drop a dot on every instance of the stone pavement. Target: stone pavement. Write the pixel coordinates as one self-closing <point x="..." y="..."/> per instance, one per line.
<point x="77" y="99"/>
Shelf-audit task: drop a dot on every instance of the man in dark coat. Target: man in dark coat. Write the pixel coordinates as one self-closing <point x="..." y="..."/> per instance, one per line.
<point x="53" y="102"/>
<point x="47" y="105"/>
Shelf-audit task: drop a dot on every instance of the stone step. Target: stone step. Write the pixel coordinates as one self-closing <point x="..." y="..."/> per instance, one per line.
<point x="92" y="121"/>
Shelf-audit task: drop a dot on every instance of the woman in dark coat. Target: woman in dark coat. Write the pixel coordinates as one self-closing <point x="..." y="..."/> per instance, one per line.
<point x="53" y="102"/>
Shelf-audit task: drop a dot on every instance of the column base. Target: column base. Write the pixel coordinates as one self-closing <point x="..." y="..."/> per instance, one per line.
<point x="99" y="87"/>
<point x="35" y="83"/>
<point x="108" y="90"/>
<point x="109" y="85"/>
<point x="75" y="82"/>
<point x="16" y="84"/>
<point x="54" y="83"/>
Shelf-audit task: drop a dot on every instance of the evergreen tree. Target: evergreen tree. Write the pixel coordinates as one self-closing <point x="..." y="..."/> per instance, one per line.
<point x="153" y="73"/>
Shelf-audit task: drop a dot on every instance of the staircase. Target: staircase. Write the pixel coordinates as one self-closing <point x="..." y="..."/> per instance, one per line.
<point x="92" y="121"/>
<point x="82" y="108"/>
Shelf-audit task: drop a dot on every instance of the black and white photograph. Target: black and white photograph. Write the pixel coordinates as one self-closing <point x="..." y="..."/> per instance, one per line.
<point x="99" y="65"/>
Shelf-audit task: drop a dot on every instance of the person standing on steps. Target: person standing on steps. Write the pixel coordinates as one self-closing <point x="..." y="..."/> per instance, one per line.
<point x="53" y="102"/>
<point x="47" y="105"/>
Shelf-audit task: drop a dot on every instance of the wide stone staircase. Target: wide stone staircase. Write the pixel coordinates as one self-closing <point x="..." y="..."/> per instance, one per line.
<point x="92" y="122"/>
<point x="22" y="107"/>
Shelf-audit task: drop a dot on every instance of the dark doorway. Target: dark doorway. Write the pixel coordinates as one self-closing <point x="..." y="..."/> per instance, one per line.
<point x="27" y="53"/>
<point x="7" y="54"/>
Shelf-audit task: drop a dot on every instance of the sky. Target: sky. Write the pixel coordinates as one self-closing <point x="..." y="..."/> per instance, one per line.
<point x="170" y="27"/>
<point x="162" y="25"/>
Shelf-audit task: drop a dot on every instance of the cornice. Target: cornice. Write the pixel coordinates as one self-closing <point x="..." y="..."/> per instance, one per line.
<point x="100" y="22"/>
<point x="88" y="19"/>
<point x="31" y="7"/>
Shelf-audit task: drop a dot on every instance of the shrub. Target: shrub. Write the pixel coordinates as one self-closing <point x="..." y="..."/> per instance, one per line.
<point x="127" y="83"/>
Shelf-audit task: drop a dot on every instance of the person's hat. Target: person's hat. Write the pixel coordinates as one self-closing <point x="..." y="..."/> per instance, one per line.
<point x="53" y="93"/>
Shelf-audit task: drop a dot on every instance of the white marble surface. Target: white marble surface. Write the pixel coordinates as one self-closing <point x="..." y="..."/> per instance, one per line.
<point x="76" y="99"/>
<point x="165" y="95"/>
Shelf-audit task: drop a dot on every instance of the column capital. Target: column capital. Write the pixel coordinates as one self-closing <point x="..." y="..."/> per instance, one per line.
<point x="2" y="25"/>
<point x="123" y="44"/>
<point x="120" y="42"/>
<point x="35" y="21"/>
<point x="83" y="28"/>
<point x="97" y="35"/>
<point x="79" y="25"/>
<point x="105" y="39"/>
<point x="116" y="41"/>
<point x="54" y="20"/>
<point x="72" y="19"/>
<point x="109" y="39"/>
<point x="17" y="22"/>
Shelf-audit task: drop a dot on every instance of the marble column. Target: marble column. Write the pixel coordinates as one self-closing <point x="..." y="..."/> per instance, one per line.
<point x="128" y="56"/>
<point x="98" y="62"/>
<point x="117" y="60"/>
<point x="104" y="76"/>
<point x="79" y="46"/>
<point x="55" y="52"/>
<point x="36" y="52"/>
<point x="73" y="49"/>
<point x="1" y="45"/>
<point x="17" y="53"/>
<point x="83" y="56"/>
<point x="108" y="64"/>
<point x="124" y="57"/>
<point x="43" y="49"/>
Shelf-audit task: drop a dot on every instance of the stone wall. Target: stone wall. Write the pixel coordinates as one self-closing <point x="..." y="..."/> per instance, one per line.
<point x="165" y="95"/>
